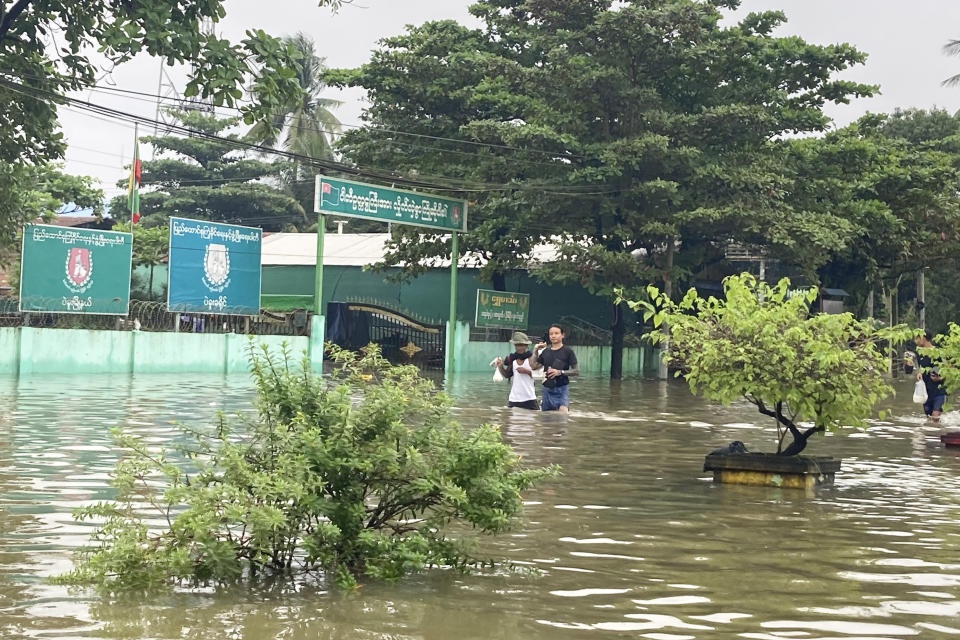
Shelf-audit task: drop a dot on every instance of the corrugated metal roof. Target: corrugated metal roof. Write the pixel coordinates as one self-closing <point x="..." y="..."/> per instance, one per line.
<point x="835" y="292"/>
<point x="351" y="249"/>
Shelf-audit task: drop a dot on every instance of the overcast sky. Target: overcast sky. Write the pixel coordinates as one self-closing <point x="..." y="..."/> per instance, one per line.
<point x="904" y="42"/>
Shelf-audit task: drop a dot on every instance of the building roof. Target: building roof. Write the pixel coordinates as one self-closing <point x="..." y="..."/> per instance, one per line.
<point x="351" y="249"/>
<point x="87" y="222"/>
<point x="840" y="293"/>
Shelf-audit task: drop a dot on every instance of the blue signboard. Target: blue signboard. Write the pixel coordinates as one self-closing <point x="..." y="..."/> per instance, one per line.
<point x="214" y="268"/>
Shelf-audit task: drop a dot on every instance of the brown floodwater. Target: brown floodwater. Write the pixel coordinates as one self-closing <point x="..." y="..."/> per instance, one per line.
<point x="633" y="540"/>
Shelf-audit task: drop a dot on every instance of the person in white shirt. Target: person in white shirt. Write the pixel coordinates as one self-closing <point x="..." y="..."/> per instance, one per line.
<point x="517" y="366"/>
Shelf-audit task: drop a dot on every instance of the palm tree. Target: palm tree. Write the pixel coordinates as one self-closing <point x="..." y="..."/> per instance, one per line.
<point x="308" y="126"/>
<point x="952" y="48"/>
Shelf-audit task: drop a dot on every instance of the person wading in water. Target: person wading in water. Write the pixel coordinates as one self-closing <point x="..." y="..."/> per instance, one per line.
<point x="519" y="369"/>
<point x="559" y="364"/>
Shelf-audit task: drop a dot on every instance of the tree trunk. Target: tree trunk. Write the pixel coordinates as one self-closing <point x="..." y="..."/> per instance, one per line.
<point x="896" y="358"/>
<point x="663" y="372"/>
<point x="150" y="285"/>
<point x="499" y="281"/>
<point x="616" y="343"/>
<point x="921" y="299"/>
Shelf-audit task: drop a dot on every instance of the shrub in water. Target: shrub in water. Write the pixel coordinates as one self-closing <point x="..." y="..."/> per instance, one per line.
<point x="361" y="475"/>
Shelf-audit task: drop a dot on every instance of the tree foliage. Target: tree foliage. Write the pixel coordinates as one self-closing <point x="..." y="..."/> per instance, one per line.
<point x="425" y="87"/>
<point x="53" y="47"/>
<point x="762" y="343"/>
<point x="306" y="126"/>
<point x="209" y="179"/>
<point x="151" y="247"/>
<point x="639" y="136"/>
<point x="945" y="355"/>
<point x="45" y="52"/>
<point x="39" y="193"/>
<point x="361" y="476"/>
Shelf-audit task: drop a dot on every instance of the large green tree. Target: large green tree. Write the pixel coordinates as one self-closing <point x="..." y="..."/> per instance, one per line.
<point x="425" y="88"/>
<point x="38" y="193"/>
<point x="208" y="178"/>
<point x="877" y="201"/>
<point x="51" y="47"/>
<point x="927" y="200"/>
<point x="636" y="136"/>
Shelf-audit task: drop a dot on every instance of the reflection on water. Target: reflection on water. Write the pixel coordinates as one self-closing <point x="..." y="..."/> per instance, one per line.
<point x="633" y="540"/>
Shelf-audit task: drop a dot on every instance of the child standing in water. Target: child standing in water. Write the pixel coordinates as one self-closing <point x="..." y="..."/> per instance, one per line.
<point x="519" y="369"/>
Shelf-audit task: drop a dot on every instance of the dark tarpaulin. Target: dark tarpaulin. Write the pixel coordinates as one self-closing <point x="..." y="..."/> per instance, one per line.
<point x="345" y="328"/>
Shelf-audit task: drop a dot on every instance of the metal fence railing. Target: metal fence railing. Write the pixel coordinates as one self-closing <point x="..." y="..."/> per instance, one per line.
<point x="576" y="332"/>
<point x="153" y="316"/>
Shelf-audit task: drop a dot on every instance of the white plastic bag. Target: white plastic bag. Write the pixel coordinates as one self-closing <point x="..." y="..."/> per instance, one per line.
<point x="497" y="376"/>
<point x="920" y="392"/>
<point x="540" y="373"/>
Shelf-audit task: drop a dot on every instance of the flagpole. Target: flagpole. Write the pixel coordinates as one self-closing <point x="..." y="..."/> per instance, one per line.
<point x="136" y="158"/>
<point x="134" y="195"/>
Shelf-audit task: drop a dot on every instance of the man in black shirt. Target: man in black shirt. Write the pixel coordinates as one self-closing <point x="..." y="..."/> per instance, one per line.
<point x="559" y="363"/>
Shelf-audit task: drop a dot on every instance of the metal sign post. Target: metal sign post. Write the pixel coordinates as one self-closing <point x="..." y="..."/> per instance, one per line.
<point x="352" y="199"/>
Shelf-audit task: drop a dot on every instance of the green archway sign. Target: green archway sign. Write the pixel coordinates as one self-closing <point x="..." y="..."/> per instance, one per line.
<point x="398" y="206"/>
<point x="338" y="197"/>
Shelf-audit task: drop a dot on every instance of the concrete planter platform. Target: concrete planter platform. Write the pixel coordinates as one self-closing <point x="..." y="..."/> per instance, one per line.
<point x="951" y="439"/>
<point x="768" y="469"/>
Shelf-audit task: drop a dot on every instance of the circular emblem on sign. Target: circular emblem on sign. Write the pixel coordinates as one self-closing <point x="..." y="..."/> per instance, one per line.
<point x="216" y="266"/>
<point x="79" y="270"/>
<point x="456" y="214"/>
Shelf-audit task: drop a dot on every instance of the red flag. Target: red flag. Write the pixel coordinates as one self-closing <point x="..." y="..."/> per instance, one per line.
<point x="133" y="193"/>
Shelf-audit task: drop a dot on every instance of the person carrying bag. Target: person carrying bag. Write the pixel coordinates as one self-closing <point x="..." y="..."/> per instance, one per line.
<point x="519" y="368"/>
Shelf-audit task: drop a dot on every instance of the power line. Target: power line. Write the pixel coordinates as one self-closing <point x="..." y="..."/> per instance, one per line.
<point x="410" y="145"/>
<point x="331" y="165"/>
<point x="156" y="97"/>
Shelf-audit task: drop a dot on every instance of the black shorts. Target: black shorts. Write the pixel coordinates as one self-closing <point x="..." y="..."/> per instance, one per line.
<point x="526" y="404"/>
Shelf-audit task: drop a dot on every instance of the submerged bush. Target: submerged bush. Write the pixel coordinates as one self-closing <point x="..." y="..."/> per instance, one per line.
<point x="361" y="475"/>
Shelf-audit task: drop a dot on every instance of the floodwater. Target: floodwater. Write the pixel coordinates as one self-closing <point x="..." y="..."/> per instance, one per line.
<point x="633" y="540"/>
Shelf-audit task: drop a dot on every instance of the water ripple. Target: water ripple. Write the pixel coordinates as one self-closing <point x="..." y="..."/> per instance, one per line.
<point x="633" y="539"/>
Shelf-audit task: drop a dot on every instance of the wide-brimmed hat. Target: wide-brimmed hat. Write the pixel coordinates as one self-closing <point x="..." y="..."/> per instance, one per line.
<point x="519" y="337"/>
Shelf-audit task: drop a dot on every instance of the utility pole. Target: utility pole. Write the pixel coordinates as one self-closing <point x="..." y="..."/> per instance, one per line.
<point x="921" y="299"/>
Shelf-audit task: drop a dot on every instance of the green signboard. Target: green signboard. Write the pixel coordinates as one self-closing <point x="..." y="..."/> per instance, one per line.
<point x="502" y="309"/>
<point x="359" y="200"/>
<point x="68" y="270"/>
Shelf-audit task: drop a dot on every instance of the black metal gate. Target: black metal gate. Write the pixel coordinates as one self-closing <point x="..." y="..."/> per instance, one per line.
<point x="402" y="339"/>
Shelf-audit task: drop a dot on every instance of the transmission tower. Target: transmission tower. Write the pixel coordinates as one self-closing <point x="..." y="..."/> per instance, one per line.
<point x="168" y="93"/>
<point x="201" y="104"/>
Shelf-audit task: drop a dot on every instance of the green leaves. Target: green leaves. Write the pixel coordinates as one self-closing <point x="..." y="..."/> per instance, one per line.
<point x="762" y="343"/>
<point x="31" y="193"/>
<point x="211" y="180"/>
<point x="36" y="76"/>
<point x="360" y="477"/>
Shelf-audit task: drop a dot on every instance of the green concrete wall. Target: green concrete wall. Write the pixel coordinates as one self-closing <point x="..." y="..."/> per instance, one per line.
<point x="427" y="296"/>
<point x="73" y="350"/>
<point x="476" y="356"/>
<point x="30" y="350"/>
<point x="9" y="350"/>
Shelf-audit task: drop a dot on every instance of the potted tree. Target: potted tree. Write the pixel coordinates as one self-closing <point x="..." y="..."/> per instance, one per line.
<point x="808" y="372"/>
